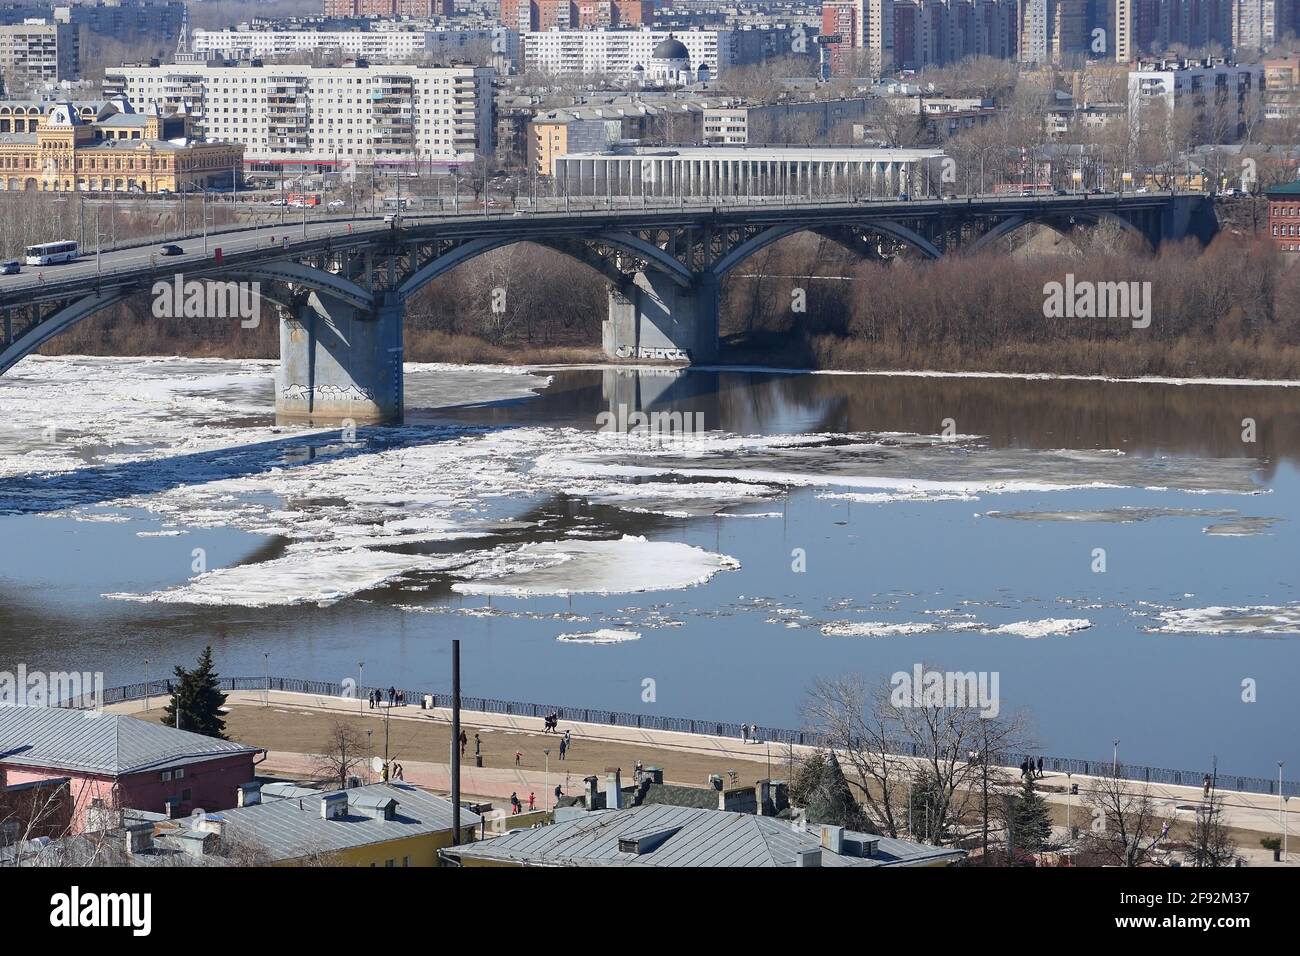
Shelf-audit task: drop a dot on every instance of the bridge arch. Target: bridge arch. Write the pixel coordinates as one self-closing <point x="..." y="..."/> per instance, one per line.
<point x="775" y="234"/>
<point x="86" y="307"/>
<point x="472" y="248"/>
<point x="318" y="280"/>
<point x="1019" y="221"/>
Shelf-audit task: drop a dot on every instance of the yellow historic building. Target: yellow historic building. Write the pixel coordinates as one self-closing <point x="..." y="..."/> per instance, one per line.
<point x="107" y="147"/>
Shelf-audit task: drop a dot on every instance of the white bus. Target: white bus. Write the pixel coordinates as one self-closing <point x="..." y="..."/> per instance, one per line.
<point x="48" y="253"/>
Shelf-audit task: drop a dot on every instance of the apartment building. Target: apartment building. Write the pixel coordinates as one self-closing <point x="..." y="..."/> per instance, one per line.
<point x="619" y="53"/>
<point x="793" y="123"/>
<point x="859" y="36"/>
<point x="394" y="46"/>
<point x="38" y="51"/>
<point x="388" y="8"/>
<point x="363" y="113"/>
<point x="1198" y="85"/>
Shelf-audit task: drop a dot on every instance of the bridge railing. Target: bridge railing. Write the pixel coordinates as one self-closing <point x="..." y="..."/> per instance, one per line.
<point x="688" y="725"/>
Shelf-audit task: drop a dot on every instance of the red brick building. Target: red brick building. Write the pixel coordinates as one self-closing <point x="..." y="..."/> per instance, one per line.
<point x="1284" y="216"/>
<point x="841" y="33"/>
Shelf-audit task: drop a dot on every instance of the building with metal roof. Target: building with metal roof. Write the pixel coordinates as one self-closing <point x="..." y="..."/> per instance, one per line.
<point x="390" y="824"/>
<point x="115" y="761"/>
<point x="673" y="836"/>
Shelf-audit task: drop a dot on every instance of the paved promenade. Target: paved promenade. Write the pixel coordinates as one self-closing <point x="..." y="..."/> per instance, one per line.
<point x="686" y="758"/>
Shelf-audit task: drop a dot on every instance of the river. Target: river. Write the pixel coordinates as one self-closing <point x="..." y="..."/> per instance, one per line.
<point x="1123" y="555"/>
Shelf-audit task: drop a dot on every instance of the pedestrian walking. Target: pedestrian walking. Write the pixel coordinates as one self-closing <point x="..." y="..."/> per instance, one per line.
<point x="514" y="803"/>
<point x="532" y="801"/>
<point x="1040" y="768"/>
<point x="558" y="793"/>
<point x="564" y="746"/>
<point x="1206" y="784"/>
<point x="464" y="742"/>
<point x="372" y="700"/>
<point x="744" y="733"/>
<point x="478" y="745"/>
<point x="568" y="739"/>
<point x="519" y="755"/>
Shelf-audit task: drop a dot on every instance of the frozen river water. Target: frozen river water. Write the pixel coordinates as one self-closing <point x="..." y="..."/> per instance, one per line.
<point x="1122" y="554"/>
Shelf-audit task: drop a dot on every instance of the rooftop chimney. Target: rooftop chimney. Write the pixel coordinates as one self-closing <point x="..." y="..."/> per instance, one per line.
<point x="833" y="838"/>
<point x="763" y="797"/>
<point x="593" y="790"/>
<point x="334" y="806"/>
<point x="248" y="794"/>
<point x="810" y="857"/>
<point x="613" y="788"/>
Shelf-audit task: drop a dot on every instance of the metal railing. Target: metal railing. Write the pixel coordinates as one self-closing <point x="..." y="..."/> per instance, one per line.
<point x="688" y="725"/>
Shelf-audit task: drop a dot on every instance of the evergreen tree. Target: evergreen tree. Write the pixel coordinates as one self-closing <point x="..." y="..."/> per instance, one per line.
<point x="1033" y="821"/>
<point x="820" y="787"/>
<point x="197" y="698"/>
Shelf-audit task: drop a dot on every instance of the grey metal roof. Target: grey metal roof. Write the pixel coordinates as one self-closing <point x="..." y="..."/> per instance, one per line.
<point x="702" y="838"/>
<point x="288" y="829"/>
<point x="101" y="743"/>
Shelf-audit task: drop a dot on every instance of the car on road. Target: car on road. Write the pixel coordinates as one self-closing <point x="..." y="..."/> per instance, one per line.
<point x="278" y="202"/>
<point x="10" y="268"/>
<point x="171" y="249"/>
<point x="904" y="197"/>
<point x="335" y="204"/>
<point x="392" y="219"/>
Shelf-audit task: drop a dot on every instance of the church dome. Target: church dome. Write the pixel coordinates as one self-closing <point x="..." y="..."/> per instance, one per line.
<point x="672" y="49"/>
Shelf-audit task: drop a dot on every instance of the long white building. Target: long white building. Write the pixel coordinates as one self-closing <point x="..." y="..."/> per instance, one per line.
<point x="441" y="116"/>
<point x="733" y="171"/>
<point x="630" y="54"/>
<point x="392" y="45"/>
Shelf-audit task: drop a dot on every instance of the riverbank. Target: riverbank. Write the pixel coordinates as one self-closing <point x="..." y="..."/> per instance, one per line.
<point x="514" y="759"/>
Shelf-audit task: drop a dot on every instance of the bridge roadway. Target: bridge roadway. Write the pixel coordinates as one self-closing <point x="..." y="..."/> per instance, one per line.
<point x="342" y="282"/>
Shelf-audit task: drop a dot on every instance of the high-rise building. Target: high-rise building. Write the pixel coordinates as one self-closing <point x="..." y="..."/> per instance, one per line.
<point x="859" y="36"/>
<point x="305" y="114"/>
<point x="387" y="8"/>
<point x="38" y="52"/>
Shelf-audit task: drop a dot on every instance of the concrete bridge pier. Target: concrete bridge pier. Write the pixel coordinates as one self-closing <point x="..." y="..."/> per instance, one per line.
<point x="340" y="363"/>
<point x="653" y="317"/>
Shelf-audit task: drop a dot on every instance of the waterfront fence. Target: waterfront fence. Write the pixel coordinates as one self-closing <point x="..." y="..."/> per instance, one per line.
<point x="687" y="725"/>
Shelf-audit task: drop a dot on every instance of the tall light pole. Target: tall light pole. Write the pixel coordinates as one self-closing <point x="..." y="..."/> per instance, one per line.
<point x="1281" y="810"/>
<point x="361" y="706"/>
<point x="266" y="660"/>
<point x="146" y="685"/>
<point x="1284" y="827"/>
<point x="546" y="781"/>
<point x="1114" y="765"/>
<point x="1069" y="807"/>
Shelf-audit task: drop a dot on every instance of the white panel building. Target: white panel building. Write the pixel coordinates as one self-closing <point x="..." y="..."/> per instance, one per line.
<point x="392" y="45"/>
<point x="732" y="171"/>
<point x="304" y="114"/>
<point x="619" y="53"/>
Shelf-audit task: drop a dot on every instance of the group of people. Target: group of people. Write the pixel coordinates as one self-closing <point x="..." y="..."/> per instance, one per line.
<point x="396" y="698"/>
<point x="749" y="733"/>
<point x="1030" y="769"/>
<point x="517" y="806"/>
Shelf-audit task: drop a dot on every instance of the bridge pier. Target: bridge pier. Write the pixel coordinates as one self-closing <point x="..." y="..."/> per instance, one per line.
<point x="338" y="362"/>
<point x="653" y="317"/>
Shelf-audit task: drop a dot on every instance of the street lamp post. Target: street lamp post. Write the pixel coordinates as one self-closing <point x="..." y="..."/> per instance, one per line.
<point x="1114" y="765"/>
<point x="146" y="685"/>
<point x="360" y="666"/>
<point x="1281" y="812"/>
<point x="1069" y="807"/>
<point x="546" y="781"/>
<point x="266" y="660"/>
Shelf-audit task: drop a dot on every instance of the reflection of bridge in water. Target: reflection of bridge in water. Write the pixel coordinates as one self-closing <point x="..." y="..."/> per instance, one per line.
<point x="341" y="286"/>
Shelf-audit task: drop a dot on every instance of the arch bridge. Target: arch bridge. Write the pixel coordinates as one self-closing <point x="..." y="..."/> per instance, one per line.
<point x="339" y="286"/>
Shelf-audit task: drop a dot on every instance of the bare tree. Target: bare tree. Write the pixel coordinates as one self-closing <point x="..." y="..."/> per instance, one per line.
<point x="1127" y="827"/>
<point x="342" y="753"/>
<point x="1212" y="843"/>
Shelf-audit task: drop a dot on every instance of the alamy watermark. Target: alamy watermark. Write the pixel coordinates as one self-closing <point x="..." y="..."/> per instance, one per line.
<point x="1084" y="299"/>
<point x="921" y="687"/>
<point x="624" y="421"/>
<point x="196" y="299"/>
<point x="36" y="688"/>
